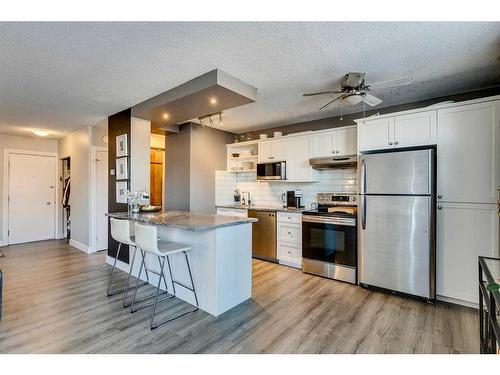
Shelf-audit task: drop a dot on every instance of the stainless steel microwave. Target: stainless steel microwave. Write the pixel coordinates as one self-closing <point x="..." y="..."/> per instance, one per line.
<point x="271" y="171"/>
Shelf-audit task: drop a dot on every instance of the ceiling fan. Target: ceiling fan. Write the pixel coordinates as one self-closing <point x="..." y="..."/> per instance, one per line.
<point x="354" y="90"/>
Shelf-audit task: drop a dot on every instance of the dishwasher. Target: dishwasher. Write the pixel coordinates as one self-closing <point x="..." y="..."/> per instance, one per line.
<point x="264" y="235"/>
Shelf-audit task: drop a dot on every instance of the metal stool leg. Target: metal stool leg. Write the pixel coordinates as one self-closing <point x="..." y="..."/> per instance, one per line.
<point x="125" y="296"/>
<point x="110" y="281"/>
<point x="161" y="276"/>
<point x="192" y="288"/>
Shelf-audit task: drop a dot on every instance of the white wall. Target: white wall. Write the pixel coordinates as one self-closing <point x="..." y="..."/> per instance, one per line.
<point x="140" y="145"/>
<point x="77" y="146"/>
<point x="269" y="193"/>
<point x="20" y="143"/>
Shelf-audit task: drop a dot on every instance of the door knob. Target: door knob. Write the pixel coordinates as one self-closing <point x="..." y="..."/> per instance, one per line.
<point x="440" y="196"/>
<point x="440" y="207"/>
<point x="48" y="203"/>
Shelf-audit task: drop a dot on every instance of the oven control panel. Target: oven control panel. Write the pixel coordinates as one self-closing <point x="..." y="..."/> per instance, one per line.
<point x="337" y="199"/>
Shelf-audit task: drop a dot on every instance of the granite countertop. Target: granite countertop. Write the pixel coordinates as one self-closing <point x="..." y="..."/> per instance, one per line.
<point x="183" y="219"/>
<point x="265" y="208"/>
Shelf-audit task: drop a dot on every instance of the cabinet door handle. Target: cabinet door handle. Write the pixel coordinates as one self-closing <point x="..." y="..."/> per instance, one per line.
<point x="390" y="143"/>
<point x="337" y="151"/>
<point x="440" y="207"/>
<point x="440" y="196"/>
<point x="396" y="143"/>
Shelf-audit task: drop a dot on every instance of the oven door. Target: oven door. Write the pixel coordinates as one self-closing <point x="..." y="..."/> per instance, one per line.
<point x="324" y="239"/>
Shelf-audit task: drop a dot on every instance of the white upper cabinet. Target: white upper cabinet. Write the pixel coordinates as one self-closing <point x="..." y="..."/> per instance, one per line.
<point x="346" y="141"/>
<point x="338" y="142"/>
<point x="415" y="129"/>
<point x="265" y="151"/>
<point x="468" y="165"/>
<point x="297" y="161"/>
<point x="272" y="150"/>
<point x="323" y="144"/>
<point x="376" y="134"/>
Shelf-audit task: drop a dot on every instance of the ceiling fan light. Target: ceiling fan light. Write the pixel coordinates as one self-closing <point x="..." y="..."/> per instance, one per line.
<point x="353" y="99"/>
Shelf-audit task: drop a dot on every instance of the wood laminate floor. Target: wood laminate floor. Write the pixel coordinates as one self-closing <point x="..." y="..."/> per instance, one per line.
<point x="55" y="302"/>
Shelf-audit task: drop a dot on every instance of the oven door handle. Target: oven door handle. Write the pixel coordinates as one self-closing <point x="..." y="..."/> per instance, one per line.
<point x="363" y="212"/>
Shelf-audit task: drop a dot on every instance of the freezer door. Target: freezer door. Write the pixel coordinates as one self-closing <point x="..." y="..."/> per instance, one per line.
<point x="394" y="242"/>
<point x="403" y="172"/>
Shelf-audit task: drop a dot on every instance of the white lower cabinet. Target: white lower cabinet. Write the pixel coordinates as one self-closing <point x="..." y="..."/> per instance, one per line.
<point x="464" y="232"/>
<point x="290" y="239"/>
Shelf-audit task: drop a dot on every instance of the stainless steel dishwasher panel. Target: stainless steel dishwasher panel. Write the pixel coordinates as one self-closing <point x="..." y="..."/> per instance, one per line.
<point x="264" y="235"/>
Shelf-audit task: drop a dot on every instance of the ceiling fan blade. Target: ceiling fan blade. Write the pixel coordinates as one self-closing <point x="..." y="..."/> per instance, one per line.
<point x="390" y="83"/>
<point x="371" y="100"/>
<point x="331" y="101"/>
<point x="321" y="93"/>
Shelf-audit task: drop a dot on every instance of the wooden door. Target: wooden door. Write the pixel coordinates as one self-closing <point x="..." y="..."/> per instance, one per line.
<point x="156" y="177"/>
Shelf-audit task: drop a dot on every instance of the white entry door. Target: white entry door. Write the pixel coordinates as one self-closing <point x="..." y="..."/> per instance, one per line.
<point x="101" y="200"/>
<point x="31" y="201"/>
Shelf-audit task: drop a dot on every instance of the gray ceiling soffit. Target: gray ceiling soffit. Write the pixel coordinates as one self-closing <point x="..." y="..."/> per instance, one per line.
<point x="192" y="99"/>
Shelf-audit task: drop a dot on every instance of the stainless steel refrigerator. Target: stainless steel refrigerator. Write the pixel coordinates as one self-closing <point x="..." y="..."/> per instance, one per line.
<point x="396" y="226"/>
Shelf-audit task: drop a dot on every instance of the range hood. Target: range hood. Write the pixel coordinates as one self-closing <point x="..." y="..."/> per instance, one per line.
<point x="332" y="162"/>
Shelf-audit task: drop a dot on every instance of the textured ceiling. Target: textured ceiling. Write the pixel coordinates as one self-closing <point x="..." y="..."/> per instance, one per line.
<point x="64" y="76"/>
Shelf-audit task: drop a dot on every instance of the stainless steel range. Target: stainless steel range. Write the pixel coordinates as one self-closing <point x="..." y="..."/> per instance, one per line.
<point x="329" y="243"/>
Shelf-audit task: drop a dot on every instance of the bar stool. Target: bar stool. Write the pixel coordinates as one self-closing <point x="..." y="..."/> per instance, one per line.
<point x="120" y="232"/>
<point x="146" y="237"/>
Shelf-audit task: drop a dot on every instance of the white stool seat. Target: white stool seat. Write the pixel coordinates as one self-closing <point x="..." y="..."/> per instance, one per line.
<point x="168" y="248"/>
<point x="124" y="235"/>
<point x="146" y="238"/>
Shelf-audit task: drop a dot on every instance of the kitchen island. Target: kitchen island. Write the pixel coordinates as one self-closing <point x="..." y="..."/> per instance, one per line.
<point x="221" y="256"/>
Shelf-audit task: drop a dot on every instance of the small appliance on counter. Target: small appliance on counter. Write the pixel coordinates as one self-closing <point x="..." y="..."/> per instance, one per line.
<point x="329" y="237"/>
<point x="292" y="199"/>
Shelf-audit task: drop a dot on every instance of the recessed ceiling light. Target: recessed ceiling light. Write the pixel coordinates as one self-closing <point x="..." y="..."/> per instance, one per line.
<point x="166" y="116"/>
<point x="41" y="133"/>
<point x="213" y="101"/>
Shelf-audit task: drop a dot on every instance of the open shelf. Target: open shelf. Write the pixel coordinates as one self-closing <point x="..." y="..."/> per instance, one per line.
<point x="242" y="170"/>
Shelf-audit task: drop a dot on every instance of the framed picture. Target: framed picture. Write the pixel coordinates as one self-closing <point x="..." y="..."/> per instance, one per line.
<point x="121" y="146"/>
<point x="121" y="192"/>
<point x="122" y="168"/>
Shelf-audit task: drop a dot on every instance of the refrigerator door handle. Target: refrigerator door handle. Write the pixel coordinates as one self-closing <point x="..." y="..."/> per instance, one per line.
<point x="363" y="176"/>
<point x="363" y="212"/>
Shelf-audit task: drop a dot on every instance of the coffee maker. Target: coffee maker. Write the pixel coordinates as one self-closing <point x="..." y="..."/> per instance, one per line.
<point x="293" y="199"/>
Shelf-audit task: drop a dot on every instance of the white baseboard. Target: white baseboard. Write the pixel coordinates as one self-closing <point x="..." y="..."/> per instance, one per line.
<point x="60" y="236"/>
<point x="80" y="246"/>
<point x="1" y="243"/>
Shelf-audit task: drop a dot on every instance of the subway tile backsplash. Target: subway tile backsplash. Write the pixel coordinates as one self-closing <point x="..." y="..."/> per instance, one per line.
<point x="269" y="193"/>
